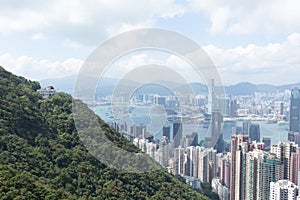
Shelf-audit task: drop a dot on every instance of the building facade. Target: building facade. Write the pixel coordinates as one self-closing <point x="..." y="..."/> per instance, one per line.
<point x="283" y="190"/>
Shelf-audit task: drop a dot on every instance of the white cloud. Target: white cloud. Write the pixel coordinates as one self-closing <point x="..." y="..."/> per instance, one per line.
<point x="128" y="63"/>
<point x="247" y="17"/>
<point x="113" y="30"/>
<point x="275" y="63"/>
<point x="132" y="61"/>
<point x="38" y="36"/>
<point x="40" y="69"/>
<point x="219" y="19"/>
<point x="83" y="21"/>
<point x="78" y="24"/>
<point x="21" y="21"/>
<point x="72" y="44"/>
<point x="272" y="63"/>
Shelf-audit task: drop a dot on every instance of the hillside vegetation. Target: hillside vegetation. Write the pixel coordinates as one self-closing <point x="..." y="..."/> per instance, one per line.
<point x="42" y="157"/>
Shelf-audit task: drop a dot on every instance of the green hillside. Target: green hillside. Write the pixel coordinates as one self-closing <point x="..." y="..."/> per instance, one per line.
<point x="42" y="157"/>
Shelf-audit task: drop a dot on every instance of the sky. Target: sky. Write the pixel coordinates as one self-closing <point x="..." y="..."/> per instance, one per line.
<point x="254" y="41"/>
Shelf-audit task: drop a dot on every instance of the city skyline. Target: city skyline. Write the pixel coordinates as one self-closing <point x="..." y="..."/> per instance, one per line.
<point x="252" y="167"/>
<point x="172" y="99"/>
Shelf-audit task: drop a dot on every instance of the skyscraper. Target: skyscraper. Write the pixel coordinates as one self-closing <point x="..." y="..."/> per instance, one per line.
<point x="164" y="151"/>
<point x="215" y="138"/>
<point x="236" y="167"/>
<point x="251" y="175"/>
<point x="233" y="108"/>
<point x="246" y="127"/>
<point x="192" y="140"/>
<point x="283" y="151"/>
<point x="212" y="163"/>
<point x="222" y="104"/>
<point x="225" y="171"/>
<point x="254" y="132"/>
<point x="295" y="166"/>
<point x="202" y="165"/>
<point x="211" y="96"/>
<point x="294" y="137"/>
<point x="160" y="100"/>
<point x="179" y="155"/>
<point x="267" y="142"/>
<point x="177" y="133"/>
<point x="167" y="131"/>
<point x="240" y="172"/>
<point x="138" y="130"/>
<point x="269" y="168"/>
<point x="191" y="161"/>
<point x="261" y="169"/>
<point x="283" y="190"/>
<point x="295" y="110"/>
<point x="206" y="163"/>
<point x="281" y="109"/>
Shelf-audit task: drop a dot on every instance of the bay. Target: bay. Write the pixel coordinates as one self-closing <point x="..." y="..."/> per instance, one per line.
<point x="141" y="115"/>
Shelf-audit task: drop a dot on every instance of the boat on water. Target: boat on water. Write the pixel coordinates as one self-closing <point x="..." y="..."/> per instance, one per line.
<point x="230" y="120"/>
<point x="271" y="121"/>
<point x="207" y="116"/>
<point x="282" y="123"/>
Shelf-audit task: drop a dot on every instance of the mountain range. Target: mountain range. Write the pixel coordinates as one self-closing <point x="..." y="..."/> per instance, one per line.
<point x="107" y="85"/>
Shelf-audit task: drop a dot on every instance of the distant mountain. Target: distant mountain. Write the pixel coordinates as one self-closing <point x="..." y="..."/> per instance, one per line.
<point x="288" y="86"/>
<point x="66" y="85"/>
<point x="243" y="88"/>
<point x="246" y="88"/>
<point x="60" y="84"/>
<point x="198" y="88"/>
<point x="108" y="84"/>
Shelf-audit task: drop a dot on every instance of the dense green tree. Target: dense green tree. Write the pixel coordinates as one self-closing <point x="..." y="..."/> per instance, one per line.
<point x="207" y="190"/>
<point x="42" y="157"/>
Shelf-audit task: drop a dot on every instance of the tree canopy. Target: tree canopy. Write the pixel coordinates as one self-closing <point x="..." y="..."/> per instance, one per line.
<point x="42" y="157"/>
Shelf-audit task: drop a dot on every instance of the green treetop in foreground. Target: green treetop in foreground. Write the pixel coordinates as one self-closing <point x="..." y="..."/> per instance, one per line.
<point x="42" y="157"/>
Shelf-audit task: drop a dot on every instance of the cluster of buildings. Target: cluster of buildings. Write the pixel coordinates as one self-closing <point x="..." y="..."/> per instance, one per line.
<point x="273" y="106"/>
<point x="253" y="170"/>
<point x="249" y="171"/>
<point x="250" y="167"/>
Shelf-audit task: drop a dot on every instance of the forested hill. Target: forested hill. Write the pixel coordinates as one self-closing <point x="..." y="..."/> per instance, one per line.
<point x="42" y="157"/>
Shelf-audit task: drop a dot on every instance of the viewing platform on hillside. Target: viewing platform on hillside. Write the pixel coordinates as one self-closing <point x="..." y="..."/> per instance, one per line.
<point x="47" y="92"/>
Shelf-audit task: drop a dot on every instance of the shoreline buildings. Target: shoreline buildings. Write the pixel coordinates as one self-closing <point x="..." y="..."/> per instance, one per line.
<point x="251" y="168"/>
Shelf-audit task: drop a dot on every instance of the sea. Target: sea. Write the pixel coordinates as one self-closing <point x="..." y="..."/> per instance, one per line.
<point x="156" y="120"/>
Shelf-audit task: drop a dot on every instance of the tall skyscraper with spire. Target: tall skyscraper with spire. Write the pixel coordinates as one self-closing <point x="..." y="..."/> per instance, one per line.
<point x="216" y="110"/>
<point x="211" y="96"/>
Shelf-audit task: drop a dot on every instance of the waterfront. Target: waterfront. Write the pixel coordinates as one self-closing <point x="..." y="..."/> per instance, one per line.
<point x="140" y="115"/>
